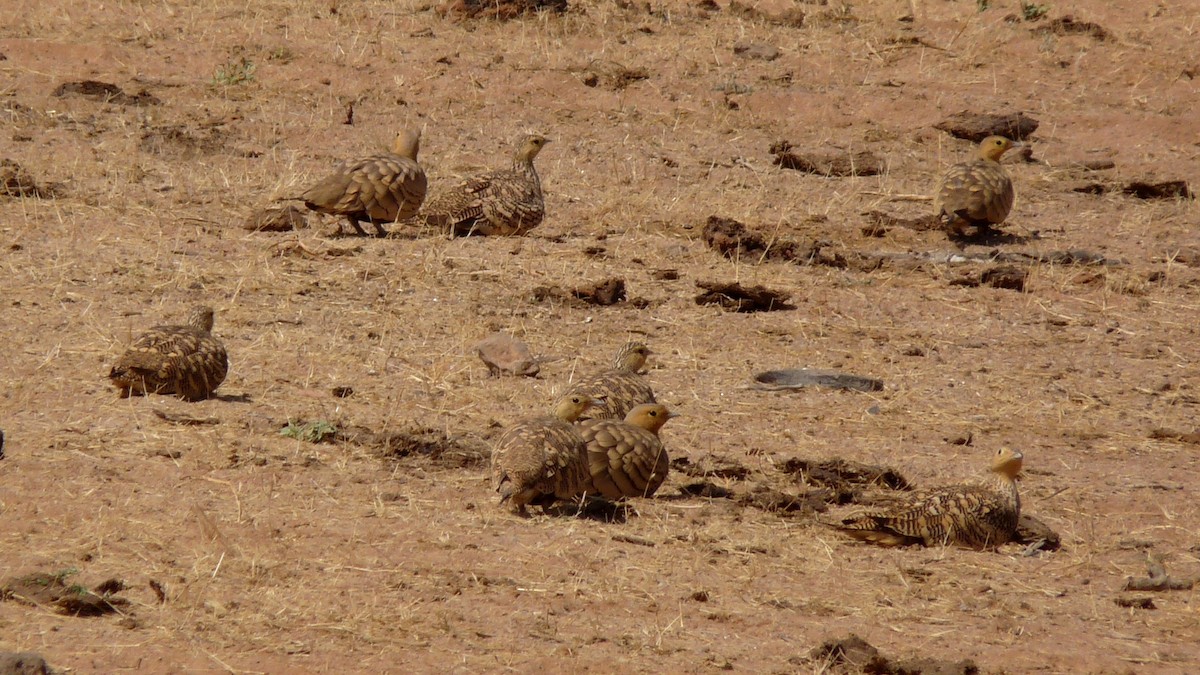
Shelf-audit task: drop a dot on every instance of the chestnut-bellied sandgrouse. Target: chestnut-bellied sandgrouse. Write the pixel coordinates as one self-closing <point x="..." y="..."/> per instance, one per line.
<point x="622" y="387"/>
<point x="502" y="203"/>
<point x="378" y="189"/>
<point x="626" y="458"/>
<point x="542" y="459"/>
<point x="186" y="361"/>
<point x="978" y="515"/>
<point x="977" y="193"/>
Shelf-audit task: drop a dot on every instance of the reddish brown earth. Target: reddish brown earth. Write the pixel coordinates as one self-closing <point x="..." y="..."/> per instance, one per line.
<point x="243" y="550"/>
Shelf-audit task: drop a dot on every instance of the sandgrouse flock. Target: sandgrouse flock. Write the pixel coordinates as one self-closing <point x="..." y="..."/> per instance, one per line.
<point x="601" y="439"/>
<point x="568" y="455"/>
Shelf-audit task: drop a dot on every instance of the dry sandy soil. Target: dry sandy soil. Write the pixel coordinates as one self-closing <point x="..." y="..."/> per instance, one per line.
<point x="240" y="549"/>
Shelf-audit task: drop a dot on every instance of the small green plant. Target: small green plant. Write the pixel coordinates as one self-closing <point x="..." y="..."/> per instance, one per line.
<point x="982" y="5"/>
<point x="310" y="432"/>
<point x="1033" y="12"/>
<point x="240" y="71"/>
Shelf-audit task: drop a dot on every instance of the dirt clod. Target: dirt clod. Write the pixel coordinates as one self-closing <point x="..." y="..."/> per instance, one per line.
<point x="604" y="293"/>
<point x="276" y="219"/>
<point x="852" y="654"/>
<point x="1171" y="189"/>
<point x="767" y="498"/>
<point x="15" y="181"/>
<point x="793" y="16"/>
<point x="839" y="474"/>
<point x="106" y="92"/>
<point x="735" y="241"/>
<point x="500" y="10"/>
<point x="75" y="600"/>
<point x="611" y="75"/>
<point x="1069" y="25"/>
<point x="438" y="448"/>
<point x="756" y="51"/>
<point x="734" y="297"/>
<point x="1140" y="602"/>
<point x="832" y="163"/>
<point x="975" y="127"/>
<point x="23" y="663"/>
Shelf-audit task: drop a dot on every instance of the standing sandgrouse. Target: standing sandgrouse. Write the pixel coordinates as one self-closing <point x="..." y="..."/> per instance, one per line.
<point x="542" y="459"/>
<point x="980" y="515"/>
<point x="977" y="193"/>
<point x="186" y="361"/>
<point x="626" y="457"/>
<point x="622" y="387"/>
<point x="501" y="203"/>
<point x="378" y="189"/>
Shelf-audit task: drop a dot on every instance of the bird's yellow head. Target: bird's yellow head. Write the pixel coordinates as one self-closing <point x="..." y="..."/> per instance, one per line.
<point x="407" y="143"/>
<point x="649" y="416"/>
<point x="1007" y="462"/>
<point x="570" y="407"/>
<point x="994" y="147"/>
<point x="530" y="145"/>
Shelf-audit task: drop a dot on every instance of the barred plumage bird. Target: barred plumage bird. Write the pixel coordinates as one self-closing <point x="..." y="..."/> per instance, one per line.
<point x="505" y="203"/>
<point x="977" y="193"/>
<point x="542" y="459"/>
<point x="979" y="515"/>
<point x="622" y="387"/>
<point x="378" y="189"/>
<point x="186" y="361"/>
<point x="626" y="458"/>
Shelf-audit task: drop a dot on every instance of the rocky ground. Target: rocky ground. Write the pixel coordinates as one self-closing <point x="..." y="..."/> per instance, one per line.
<point x="329" y="510"/>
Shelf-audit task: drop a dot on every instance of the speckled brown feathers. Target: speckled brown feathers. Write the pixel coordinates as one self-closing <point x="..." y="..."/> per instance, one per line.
<point x="626" y="457"/>
<point x="977" y="193"/>
<point x="186" y="361"/>
<point x="542" y="459"/>
<point x="621" y="387"/>
<point x="979" y="516"/>
<point x="379" y="189"/>
<point x="504" y="203"/>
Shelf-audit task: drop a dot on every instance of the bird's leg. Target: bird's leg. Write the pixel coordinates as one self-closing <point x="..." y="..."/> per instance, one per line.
<point x="357" y="227"/>
<point x="379" y="231"/>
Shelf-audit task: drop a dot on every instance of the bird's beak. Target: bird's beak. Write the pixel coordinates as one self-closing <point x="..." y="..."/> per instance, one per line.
<point x="671" y="414"/>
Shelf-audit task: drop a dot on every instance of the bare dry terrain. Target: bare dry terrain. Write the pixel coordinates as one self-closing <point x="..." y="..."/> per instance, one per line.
<point x="237" y="548"/>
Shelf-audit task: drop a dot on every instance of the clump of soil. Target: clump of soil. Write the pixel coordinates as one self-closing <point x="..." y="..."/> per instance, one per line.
<point x="975" y="127"/>
<point x="734" y="297"/>
<point x="23" y="663"/>
<point x="276" y="219"/>
<point x="840" y="474"/>
<point x="501" y="10"/>
<point x="853" y="654"/>
<point x="437" y="447"/>
<point x="792" y="17"/>
<point x="878" y="222"/>
<point x="1010" y="277"/>
<point x="607" y="292"/>
<point x="767" y="498"/>
<point x="711" y="466"/>
<point x="832" y="163"/>
<point x="180" y="142"/>
<point x="51" y="590"/>
<point x="735" y="241"/>
<point x="15" y="181"/>
<point x="602" y="294"/>
<point x="611" y="75"/>
<point x="105" y="92"/>
<point x="1069" y="25"/>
